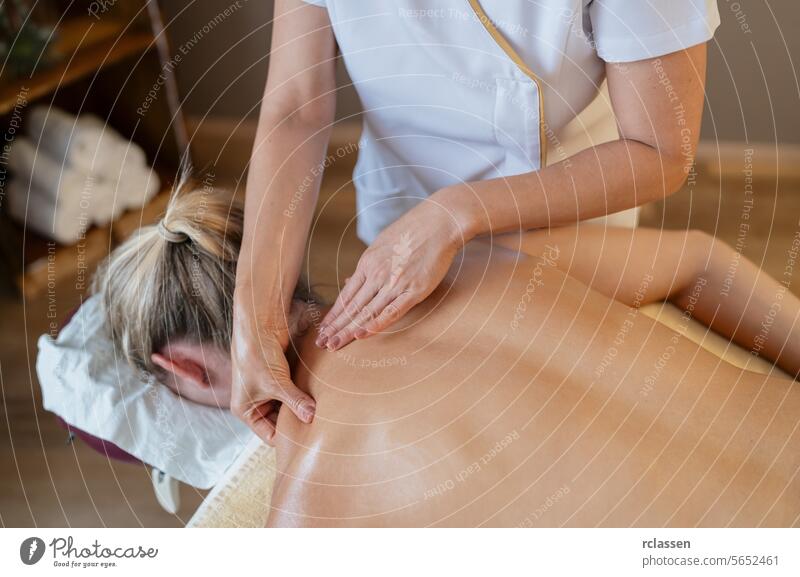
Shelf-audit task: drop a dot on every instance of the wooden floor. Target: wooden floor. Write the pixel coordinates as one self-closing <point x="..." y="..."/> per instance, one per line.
<point x="46" y="482"/>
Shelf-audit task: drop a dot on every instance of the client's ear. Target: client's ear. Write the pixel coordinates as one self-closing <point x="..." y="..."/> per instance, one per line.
<point x="184" y="368"/>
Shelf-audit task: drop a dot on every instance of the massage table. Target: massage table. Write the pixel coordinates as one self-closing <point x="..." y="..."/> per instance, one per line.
<point x="242" y="497"/>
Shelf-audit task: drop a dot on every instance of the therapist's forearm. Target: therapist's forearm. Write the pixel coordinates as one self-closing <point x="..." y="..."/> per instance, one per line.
<point x="282" y="189"/>
<point x="658" y="104"/>
<point x="600" y="180"/>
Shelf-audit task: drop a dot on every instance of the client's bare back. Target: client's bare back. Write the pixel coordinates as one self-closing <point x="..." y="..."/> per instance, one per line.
<point x="515" y="395"/>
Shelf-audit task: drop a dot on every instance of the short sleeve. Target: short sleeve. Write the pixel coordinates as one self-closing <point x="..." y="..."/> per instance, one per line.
<point x="625" y="30"/>
<point x="320" y="3"/>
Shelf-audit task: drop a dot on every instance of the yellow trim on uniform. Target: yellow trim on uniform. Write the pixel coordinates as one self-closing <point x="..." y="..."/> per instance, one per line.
<point x="515" y="57"/>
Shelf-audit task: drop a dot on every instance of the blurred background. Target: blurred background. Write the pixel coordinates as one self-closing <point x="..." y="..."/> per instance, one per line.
<point x="171" y="73"/>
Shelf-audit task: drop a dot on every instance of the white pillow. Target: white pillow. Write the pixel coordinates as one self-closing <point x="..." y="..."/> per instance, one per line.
<point x="87" y="383"/>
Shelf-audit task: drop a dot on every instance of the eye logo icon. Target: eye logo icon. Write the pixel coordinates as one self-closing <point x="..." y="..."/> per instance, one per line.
<point x="31" y="550"/>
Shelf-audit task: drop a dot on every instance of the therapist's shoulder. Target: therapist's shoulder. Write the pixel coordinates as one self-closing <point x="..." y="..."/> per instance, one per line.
<point x="624" y="31"/>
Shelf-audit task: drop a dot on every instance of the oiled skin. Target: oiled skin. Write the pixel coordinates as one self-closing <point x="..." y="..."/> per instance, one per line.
<point x="582" y="442"/>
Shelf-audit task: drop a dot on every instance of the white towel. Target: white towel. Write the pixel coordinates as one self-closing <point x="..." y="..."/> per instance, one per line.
<point x="87" y="384"/>
<point x="84" y="143"/>
<point x="137" y="186"/>
<point x="102" y="200"/>
<point x="131" y="153"/>
<point x="28" y="163"/>
<point x="62" y="219"/>
<point x="94" y="193"/>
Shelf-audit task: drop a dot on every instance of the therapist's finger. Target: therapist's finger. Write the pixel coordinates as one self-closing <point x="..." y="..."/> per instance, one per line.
<point x="349" y="290"/>
<point x="391" y="313"/>
<point x="351" y="310"/>
<point x="297" y="401"/>
<point x="368" y="313"/>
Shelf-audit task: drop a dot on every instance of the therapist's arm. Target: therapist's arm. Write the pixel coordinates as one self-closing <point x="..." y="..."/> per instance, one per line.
<point x="282" y="188"/>
<point x="658" y="104"/>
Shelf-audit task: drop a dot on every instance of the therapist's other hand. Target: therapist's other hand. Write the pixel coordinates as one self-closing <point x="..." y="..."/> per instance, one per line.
<point x="261" y="378"/>
<point x="400" y="268"/>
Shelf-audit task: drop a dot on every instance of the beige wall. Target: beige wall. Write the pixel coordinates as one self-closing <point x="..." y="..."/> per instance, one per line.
<point x="752" y="87"/>
<point x="223" y="73"/>
<point x="753" y="90"/>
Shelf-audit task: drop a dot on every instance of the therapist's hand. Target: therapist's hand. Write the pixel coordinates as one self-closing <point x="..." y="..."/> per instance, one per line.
<point x="400" y="268"/>
<point x="261" y="378"/>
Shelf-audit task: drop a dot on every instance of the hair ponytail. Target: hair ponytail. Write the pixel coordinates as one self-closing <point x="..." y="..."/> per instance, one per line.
<point x="175" y="278"/>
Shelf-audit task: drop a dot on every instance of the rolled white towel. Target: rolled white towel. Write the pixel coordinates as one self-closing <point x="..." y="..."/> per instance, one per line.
<point x="70" y="142"/>
<point x="137" y="186"/>
<point x="94" y="193"/>
<point x="62" y="220"/>
<point x="85" y="143"/>
<point x="132" y="153"/>
<point x="28" y="163"/>
<point x="115" y="206"/>
<point x="102" y="196"/>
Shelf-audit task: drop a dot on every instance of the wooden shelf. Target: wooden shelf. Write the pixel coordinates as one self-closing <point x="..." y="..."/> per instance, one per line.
<point x="83" y="46"/>
<point x="48" y="263"/>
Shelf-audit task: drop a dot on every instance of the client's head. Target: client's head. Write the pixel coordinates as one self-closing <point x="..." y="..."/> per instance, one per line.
<point x="167" y="293"/>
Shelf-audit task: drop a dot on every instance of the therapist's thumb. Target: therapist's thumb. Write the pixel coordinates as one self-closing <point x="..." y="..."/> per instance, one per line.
<point x="302" y="405"/>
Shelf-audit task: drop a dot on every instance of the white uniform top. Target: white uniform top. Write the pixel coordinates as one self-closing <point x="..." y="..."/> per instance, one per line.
<point x="445" y="103"/>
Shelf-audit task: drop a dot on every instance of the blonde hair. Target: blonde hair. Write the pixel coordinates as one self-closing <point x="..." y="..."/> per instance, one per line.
<point x="174" y="279"/>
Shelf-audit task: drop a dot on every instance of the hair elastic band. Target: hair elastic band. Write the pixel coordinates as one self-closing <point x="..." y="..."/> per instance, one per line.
<point x="170" y="235"/>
